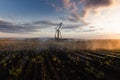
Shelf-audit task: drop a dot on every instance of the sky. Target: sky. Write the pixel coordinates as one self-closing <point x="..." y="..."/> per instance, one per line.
<point x="82" y="19"/>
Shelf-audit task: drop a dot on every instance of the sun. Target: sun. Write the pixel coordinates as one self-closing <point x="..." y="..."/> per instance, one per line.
<point x="109" y="20"/>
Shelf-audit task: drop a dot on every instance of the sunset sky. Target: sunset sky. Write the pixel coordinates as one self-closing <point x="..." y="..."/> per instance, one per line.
<point x="84" y="19"/>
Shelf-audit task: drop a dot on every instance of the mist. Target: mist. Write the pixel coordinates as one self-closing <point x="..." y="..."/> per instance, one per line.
<point x="95" y="44"/>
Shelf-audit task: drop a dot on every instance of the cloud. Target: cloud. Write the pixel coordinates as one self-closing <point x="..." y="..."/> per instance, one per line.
<point x="98" y="3"/>
<point x="96" y="6"/>
<point x="48" y="24"/>
<point x="67" y="4"/>
<point x="74" y="22"/>
<point x="89" y="30"/>
<point x="56" y="7"/>
<point x="45" y="22"/>
<point x="78" y="30"/>
<point x="54" y="4"/>
<point x="78" y="9"/>
<point x="9" y="27"/>
<point x="71" y="26"/>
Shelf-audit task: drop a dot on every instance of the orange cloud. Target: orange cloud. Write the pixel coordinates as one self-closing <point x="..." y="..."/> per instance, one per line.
<point x="86" y="7"/>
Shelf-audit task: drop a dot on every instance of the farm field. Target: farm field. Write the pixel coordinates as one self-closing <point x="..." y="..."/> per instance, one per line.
<point x="59" y="64"/>
<point x="59" y="39"/>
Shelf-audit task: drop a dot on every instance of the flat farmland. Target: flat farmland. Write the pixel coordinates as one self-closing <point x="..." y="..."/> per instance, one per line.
<point x="54" y="62"/>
